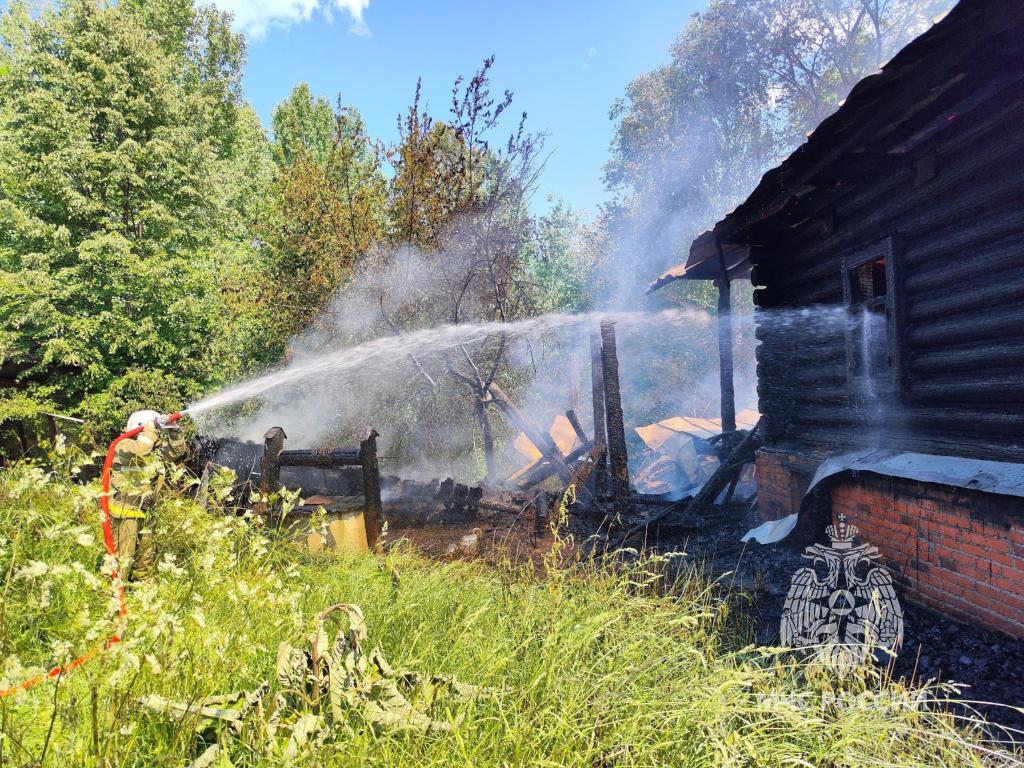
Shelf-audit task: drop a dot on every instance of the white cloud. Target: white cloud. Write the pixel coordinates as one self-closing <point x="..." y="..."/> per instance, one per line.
<point x="255" y="17"/>
<point x="591" y="53"/>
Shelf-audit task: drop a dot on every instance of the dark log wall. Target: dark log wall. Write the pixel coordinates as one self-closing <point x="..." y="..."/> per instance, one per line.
<point x="954" y="206"/>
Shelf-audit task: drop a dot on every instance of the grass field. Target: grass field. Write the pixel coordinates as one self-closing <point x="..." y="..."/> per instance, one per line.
<point x="585" y="664"/>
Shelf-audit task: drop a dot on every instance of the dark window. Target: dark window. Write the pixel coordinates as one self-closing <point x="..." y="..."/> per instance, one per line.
<point x="872" y="349"/>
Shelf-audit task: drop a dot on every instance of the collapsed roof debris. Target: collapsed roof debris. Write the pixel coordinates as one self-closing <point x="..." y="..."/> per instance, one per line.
<point x="682" y="454"/>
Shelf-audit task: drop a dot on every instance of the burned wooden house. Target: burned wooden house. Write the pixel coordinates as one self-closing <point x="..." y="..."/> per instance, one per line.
<point x="887" y="255"/>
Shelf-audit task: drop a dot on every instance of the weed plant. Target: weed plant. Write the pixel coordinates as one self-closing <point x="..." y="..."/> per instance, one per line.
<point x="590" y="663"/>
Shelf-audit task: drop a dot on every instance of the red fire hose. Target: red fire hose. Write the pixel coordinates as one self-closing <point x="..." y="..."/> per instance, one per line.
<point x="108" y="539"/>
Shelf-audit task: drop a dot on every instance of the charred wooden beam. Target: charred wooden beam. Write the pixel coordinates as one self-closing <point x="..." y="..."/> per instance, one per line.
<point x="373" y="510"/>
<point x="1003" y="354"/>
<point x="500" y="506"/>
<point x="980" y="291"/>
<point x="324" y="458"/>
<point x="544" y="469"/>
<point x="581" y="474"/>
<point x="725" y="365"/>
<point x="537" y="436"/>
<point x="574" y="421"/>
<point x="270" y="465"/>
<point x="986" y="326"/>
<point x="615" y="422"/>
<point x="597" y="397"/>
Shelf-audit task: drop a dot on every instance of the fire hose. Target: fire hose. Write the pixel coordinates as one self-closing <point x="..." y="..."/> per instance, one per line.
<point x="108" y="540"/>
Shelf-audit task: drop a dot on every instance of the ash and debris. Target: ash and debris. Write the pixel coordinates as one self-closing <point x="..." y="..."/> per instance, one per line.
<point x="990" y="665"/>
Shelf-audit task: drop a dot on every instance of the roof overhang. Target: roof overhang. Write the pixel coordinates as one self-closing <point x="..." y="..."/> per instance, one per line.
<point x="708" y="262"/>
<point x="966" y="59"/>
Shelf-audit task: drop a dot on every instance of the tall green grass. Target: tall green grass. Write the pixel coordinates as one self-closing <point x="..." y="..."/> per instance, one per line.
<point x="593" y="664"/>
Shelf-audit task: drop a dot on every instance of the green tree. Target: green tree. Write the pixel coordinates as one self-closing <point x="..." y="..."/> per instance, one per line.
<point x="329" y="204"/>
<point x="747" y="79"/>
<point x="115" y="138"/>
<point x="564" y="261"/>
<point x="427" y="189"/>
<point x="251" y="335"/>
<point x="303" y="125"/>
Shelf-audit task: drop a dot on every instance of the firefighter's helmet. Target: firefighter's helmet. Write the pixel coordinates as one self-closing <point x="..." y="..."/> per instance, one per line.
<point x="141" y="419"/>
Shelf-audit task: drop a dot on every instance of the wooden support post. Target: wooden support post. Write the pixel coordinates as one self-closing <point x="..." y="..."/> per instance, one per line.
<point x="597" y="397"/>
<point x="270" y="465"/>
<point x="725" y="374"/>
<point x="616" y="424"/>
<point x="372" y="507"/>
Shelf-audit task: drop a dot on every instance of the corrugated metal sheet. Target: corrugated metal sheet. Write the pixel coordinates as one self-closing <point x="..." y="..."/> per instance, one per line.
<point x="999" y="477"/>
<point x="561" y="432"/>
<point x="655" y="434"/>
<point x="1002" y="477"/>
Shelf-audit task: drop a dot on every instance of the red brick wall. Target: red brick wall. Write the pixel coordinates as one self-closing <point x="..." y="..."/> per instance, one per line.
<point x="782" y="479"/>
<point x="957" y="550"/>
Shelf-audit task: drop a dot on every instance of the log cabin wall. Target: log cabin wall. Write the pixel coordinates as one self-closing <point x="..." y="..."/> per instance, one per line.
<point x="888" y="265"/>
<point x="949" y="216"/>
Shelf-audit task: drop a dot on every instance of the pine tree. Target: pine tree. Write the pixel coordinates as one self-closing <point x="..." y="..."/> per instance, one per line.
<point x="116" y="128"/>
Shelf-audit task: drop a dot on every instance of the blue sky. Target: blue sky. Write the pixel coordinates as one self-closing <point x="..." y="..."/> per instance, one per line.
<point x="565" y="61"/>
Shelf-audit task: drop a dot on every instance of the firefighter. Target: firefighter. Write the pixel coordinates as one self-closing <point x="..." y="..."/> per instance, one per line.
<point x="136" y="478"/>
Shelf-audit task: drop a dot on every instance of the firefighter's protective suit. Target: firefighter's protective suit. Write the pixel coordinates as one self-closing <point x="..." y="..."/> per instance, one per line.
<point x="136" y="478"/>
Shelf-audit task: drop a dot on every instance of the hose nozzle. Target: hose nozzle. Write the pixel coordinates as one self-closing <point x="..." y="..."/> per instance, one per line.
<point x="169" y="419"/>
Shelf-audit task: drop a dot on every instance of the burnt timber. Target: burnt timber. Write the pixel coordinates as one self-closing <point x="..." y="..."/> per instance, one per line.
<point x="365" y="457"/>
<point x="614" y="421"/>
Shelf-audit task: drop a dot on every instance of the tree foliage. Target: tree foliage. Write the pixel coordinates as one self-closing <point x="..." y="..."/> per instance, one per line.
<point x="303" y="124"/>
<point x="330" y="204"/>
<point x="462" y="203"/>
<point x="747" y="80"/>
<point x="123" y="134"/>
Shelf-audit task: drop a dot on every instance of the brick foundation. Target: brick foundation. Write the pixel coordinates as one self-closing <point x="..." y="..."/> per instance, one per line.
<point x="957" y="550"/>
<point x="782" y="480"/>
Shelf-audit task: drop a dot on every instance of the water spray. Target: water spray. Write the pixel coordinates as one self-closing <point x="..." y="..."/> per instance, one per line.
<point x="388" y="350"/>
